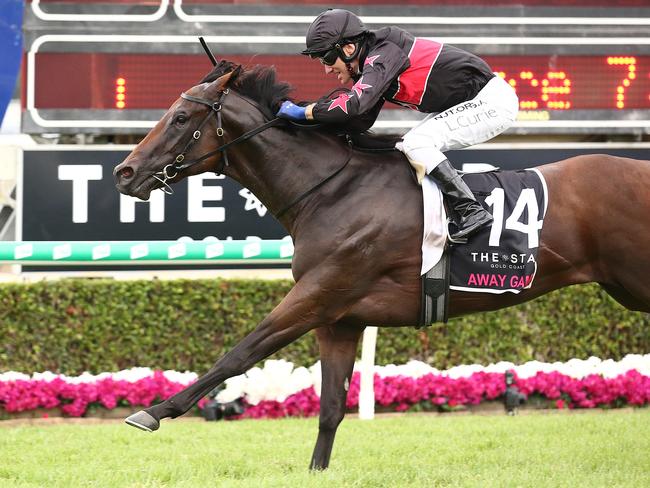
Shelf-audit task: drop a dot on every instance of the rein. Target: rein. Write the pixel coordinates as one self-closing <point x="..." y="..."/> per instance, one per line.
<point x="180" y="164"/>
<point x="314" y="188"/>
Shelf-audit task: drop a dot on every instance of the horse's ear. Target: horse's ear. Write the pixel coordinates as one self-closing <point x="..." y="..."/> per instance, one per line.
<point x="222" y="82"/>
<point x="234" y="74"/>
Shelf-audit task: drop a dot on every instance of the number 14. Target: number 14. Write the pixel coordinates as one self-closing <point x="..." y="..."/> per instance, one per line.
<point x="527" y="199"/>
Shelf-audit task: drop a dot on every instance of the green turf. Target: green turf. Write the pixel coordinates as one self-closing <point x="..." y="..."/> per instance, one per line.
<point x="599" y="449"/>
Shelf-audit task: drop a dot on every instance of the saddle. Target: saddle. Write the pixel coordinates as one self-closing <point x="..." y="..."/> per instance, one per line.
<point x="372" y="142"/>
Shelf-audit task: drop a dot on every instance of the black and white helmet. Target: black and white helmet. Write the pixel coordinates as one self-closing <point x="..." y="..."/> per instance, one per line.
<point x="330" y="29"/>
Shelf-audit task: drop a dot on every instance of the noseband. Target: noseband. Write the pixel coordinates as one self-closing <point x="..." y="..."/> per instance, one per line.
<point x="171" y="170"/>
<point x="180" y="164"/>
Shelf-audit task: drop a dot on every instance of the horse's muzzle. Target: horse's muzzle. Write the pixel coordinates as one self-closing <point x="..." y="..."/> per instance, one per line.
<point x="123" y="174"/>
<point x="126" y="182"/>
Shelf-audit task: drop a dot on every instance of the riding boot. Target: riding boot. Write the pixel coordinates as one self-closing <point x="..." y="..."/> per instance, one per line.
<point x="467" y="214"/>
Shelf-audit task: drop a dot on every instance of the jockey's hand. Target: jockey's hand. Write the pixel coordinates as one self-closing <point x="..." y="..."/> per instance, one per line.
<point x="291" y="111"/>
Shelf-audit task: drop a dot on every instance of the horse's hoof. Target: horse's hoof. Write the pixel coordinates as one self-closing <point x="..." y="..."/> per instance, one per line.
<point x="143" y="421"/>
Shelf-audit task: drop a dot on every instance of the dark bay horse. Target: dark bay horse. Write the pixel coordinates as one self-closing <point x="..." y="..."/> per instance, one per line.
<point x="356" y="224"/>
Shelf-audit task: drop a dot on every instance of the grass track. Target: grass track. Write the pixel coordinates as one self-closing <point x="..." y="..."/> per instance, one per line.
<point x="596" y="449"/>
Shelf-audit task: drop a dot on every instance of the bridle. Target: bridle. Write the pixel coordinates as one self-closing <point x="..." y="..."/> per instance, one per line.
<point x="180" y="164"/>
<point x="171" y="170"/>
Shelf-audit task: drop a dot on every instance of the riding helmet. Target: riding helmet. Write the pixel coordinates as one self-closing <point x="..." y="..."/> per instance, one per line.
<point x="330" y="28"/>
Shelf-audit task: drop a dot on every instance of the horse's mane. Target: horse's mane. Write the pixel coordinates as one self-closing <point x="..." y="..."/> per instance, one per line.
<point x="258" y="83"/>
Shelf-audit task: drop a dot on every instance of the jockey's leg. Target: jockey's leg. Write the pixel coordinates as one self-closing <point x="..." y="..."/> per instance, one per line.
<point x="491" y="112"/>
<point x="468" y="215"/>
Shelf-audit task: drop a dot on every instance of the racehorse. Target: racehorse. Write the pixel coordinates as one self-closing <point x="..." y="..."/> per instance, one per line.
<point x="357" y="222"/>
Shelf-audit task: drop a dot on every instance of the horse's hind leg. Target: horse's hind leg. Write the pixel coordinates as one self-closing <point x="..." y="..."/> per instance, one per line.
<point x="338" y="348"/>
<point x="629" y="282"/>
<point x="627" y="299"/>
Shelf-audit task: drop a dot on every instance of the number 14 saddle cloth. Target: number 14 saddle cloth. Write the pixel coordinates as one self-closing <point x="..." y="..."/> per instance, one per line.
<point x="502" y="257"/>
<point x="498" y="258"/>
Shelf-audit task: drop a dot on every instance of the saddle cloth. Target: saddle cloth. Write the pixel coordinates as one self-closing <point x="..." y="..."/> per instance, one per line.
<point x="500" y="257"/>
<point x="435" y="225"/>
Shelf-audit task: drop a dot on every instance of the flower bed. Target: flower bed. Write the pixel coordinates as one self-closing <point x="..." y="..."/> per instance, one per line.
<point x="278" y="389"/>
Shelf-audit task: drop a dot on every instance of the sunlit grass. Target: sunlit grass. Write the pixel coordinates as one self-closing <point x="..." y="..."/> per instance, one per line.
<point x="577" y="450"/>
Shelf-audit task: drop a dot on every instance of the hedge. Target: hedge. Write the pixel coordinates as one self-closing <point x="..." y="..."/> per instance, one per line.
<point x="96" y="325"/>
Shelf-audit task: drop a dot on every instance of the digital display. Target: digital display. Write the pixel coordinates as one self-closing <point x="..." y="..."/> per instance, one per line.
<point x="563" y="3"/>
<point x="613" y="81"/>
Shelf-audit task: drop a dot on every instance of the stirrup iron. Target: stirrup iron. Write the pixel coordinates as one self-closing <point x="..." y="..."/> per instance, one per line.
<point x="459" y="240"/>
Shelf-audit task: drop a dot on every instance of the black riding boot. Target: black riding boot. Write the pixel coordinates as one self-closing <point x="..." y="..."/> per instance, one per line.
<point x="468" y="215"/>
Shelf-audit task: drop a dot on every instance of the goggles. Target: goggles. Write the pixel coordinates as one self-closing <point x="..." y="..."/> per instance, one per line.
<point x="328" y="58"/>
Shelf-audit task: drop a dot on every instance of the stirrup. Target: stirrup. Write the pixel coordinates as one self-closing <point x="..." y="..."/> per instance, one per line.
<point x="458" y="240"/>
<point x="466" y="232"/>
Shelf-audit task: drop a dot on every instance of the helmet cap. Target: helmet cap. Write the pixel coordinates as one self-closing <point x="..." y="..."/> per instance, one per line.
<point x="331" y="28"/>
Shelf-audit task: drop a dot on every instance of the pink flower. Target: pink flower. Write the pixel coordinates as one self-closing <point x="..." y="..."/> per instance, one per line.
<point x="398" y="393"/>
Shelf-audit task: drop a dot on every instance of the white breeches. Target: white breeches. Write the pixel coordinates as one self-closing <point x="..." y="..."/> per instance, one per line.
<point x="492" y="111"/>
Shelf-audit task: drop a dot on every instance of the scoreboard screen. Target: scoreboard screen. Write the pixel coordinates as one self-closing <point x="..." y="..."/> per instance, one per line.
<point x="108" y="81"/>
<point x="321" y="3"/>
<point x="115" y="66"/>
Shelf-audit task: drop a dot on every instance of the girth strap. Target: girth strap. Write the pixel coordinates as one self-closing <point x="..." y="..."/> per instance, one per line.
<point x="435" y="292"/>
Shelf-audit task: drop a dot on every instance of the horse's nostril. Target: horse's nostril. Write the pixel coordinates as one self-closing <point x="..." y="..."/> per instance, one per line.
<point x="125" y="173"/>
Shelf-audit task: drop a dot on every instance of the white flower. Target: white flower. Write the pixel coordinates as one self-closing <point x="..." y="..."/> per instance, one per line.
<point x="278" y="379"/>
<point x="275" y="381"/>
<point x="13" y="376"/>
<point x="182" y="378"/>
<point x="132" y="375"/>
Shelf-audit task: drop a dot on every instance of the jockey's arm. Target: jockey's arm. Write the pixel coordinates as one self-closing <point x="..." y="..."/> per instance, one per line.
<point x="309" y="111"/>
<point x="358" y="124"/>
<point x="382" y="65"/>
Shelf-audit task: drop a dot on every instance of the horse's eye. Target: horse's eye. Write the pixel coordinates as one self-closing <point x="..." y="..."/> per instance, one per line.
<point x="180" y="119"/>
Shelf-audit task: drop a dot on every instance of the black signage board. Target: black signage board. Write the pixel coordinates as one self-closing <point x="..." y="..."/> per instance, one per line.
<point x="69" y="195"/>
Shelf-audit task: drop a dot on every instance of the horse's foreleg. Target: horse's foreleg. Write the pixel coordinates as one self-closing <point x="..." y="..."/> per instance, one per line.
<point x="338" y="347"/>
<point x="304" y="308"/>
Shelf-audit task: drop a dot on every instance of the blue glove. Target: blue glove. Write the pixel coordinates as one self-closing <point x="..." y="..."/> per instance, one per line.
<point x="291" y="111"/>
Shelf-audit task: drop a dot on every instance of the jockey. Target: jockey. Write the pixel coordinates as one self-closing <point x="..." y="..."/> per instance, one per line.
<point x="467" y="103"/>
